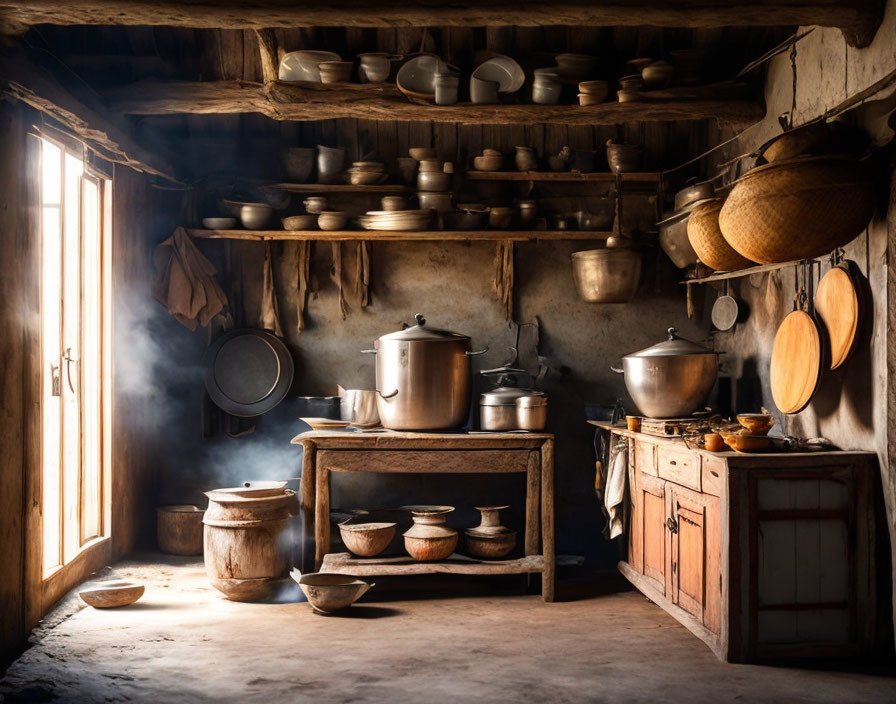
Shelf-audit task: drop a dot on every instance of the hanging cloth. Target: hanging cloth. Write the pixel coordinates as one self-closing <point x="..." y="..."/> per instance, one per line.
<point x="184" y="281"/>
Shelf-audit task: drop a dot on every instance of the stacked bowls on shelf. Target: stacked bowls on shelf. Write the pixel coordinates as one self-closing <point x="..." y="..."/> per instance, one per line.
<point x="365" y="173"/>
<point x="396" y="220"/>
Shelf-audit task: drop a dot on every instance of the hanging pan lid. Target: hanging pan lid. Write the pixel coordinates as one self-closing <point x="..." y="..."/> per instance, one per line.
<point x="248" y="372"/>
<point x="798" y="359"/>
<point x="840" y="304"/>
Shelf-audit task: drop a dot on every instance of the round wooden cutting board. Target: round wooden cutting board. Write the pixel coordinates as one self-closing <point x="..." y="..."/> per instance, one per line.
<point x="838" y="305"/>
<point x="796" y="362"/>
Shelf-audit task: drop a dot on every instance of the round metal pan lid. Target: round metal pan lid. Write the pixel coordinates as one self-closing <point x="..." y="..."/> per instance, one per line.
<point x="421" y="331"/>
<point x="248" y="372"/>
<point x="673" y="347"/>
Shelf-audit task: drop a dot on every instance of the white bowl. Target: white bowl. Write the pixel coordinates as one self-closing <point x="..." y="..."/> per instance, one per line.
<point x="302" y="65"/>
<point x="504" y="71"/>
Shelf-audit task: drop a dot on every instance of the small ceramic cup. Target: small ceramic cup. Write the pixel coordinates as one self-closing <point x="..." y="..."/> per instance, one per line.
<point x="315" y="204"/>
<point x="713" y="442"/>
<point x="633" y="423"/>
<point x="374" y="67"/>
<point x="483" y="91"/>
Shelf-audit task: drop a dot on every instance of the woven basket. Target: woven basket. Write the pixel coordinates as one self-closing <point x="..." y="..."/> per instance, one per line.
<point x="797" y="209"/>
<point x="707" y="241"/>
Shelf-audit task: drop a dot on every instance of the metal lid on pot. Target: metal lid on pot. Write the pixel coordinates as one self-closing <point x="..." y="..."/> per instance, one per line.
<point x="692" y="192"/>
<point x="505" y="396"/>
<point x="420" y="332"/>
<point x="675" y="346"/>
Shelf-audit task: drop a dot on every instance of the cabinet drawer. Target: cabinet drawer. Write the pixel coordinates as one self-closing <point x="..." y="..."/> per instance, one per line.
<point x="679" y="466"/>
<point x="713" y="473"/>
<point x="645" y="459"/>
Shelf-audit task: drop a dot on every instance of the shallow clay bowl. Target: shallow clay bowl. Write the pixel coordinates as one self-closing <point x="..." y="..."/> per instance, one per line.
<point x="743" y="442"/>
<point x="367" y="539"/>
<point x="107" y="595"/>
<point x="756" y="423"/>
<point x="421" y="153"/>
<point x="487" y="163"/>
<point x="300" y="222"/>
<point x="330" y="592"/>
<point x="490" y="547"/>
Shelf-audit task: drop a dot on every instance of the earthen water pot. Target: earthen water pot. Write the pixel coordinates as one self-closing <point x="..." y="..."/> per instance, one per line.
<point x="430" y="538"/>
<point x="490" y="539"/>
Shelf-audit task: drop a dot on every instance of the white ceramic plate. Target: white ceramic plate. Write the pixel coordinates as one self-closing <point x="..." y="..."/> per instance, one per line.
<point x="418" y="75"/>
<point x="504" y="71"/>
<point x="302" y="65"/>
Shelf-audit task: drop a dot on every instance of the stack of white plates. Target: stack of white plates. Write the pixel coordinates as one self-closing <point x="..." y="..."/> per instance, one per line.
<point x="396" y="220"/>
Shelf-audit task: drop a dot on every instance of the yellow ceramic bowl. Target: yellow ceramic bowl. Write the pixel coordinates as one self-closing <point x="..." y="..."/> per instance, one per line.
<point x="756" y="423"/>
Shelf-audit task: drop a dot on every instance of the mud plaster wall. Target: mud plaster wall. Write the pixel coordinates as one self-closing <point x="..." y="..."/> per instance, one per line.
<point x="854" y="405"/>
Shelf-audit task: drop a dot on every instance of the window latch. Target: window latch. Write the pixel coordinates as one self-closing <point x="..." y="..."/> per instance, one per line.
<point x="55" y="380"/>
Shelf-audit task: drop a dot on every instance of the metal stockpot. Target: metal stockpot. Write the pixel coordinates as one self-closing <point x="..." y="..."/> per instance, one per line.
<point x="423" y="378"/>
<point x="670" y="379"/>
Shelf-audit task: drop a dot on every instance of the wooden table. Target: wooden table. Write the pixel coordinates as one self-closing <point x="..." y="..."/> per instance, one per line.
<point x="532" y="454"/>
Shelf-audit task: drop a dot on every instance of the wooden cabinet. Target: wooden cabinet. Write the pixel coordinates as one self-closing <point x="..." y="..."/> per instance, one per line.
<point x="762" y="556"/>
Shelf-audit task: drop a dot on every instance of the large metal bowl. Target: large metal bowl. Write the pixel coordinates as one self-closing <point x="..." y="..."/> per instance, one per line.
<point x="607" y="275"/>
<point x="671" y="379"/>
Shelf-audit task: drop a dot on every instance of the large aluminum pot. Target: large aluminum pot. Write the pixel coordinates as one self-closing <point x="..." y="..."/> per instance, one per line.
<point x="672" y="379"/>
<point x="423" y="378"/>
<point x="607" y="275"/>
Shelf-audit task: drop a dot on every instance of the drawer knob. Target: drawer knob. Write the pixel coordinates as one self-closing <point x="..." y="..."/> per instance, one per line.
<point x="672" y="525"/>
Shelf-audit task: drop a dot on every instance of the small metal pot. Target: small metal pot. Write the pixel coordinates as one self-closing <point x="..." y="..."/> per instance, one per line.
<point x="497" y="408"/>
<point x="423" y="378"/>
<point x="671" y="379"/>
<point x="607" y="275"/>
<point x="623" y="158"/>
<point x="531" y="412"/>
<point x="440" y="202"/>
<point x="674" y="239"/>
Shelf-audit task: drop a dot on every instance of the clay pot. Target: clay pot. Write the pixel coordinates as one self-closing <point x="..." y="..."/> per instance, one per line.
<point x="179" y="529"/>
<point x="330" y="592"/>
<point x="490" y="539"/>
<point x="430" y="538"/>
<point x="525" y="159"/>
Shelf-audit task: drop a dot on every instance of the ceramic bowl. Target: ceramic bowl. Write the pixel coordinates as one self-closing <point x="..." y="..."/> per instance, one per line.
<point x="219" y="223"/>
<point x="332" y="220"/>
<point x="108" y="595"/>
<point x="365" y="178"/>
<point x="632" y="83"/>
<point x="623" y="158"/>
<point x="745" y="442"/>
<point x="392" y="203"/>
<point x="416" y="78"/>
<point x="504" y="71"/>
<point x="586" y="99"/>
<point x="421" y="153"/>
<point x="334" y="71"/>
<point x="756" y="423"/>
<point x="297" y="163"/>
<point x="300" y="222"/>
<point x="488" y="163"/>
<point x="367" y="539"/>
<point x="315" y="204"/>
<point x="255" y="216"/>
<point x="328" y="593"/>
<point x="374" y="67"/>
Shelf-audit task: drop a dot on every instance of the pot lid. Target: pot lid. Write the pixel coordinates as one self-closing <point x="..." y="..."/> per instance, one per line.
<point x="672" y="347"/>
<point x="505" y="396"/>
<point x="670" y="218"/>
<point x="693" y="192"/>
<point x="420" y="332"/>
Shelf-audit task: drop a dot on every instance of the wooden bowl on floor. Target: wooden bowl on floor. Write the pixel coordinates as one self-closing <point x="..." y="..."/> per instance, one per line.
<point x="109" y="595"/>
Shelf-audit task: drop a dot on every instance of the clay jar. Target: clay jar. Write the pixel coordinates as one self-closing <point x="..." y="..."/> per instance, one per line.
<point x="490" y="539"/>
<point x="525" y="159"/>
<point x="430" y="538"/>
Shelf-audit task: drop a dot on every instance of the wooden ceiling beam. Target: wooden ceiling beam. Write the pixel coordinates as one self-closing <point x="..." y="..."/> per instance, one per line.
<point x="382" y="101"/>
<point x="856" y="17"/>
<point x="25" y="76"/>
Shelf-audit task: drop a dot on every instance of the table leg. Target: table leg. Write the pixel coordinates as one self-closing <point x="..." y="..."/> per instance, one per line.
<point x="533" y="502"/>
<point x="547" y="520"/>
<point x="306" y="502"/>
<point x="321" y="516"/>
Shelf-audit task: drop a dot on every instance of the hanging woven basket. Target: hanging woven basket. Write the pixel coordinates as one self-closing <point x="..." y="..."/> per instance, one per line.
<point x="797" y="208"/>
<point x="706" y="239"/>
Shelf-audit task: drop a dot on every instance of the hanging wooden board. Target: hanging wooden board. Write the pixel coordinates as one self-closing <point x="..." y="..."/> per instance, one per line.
<point x="839" y="305"/>
<point x="796" y="362"/>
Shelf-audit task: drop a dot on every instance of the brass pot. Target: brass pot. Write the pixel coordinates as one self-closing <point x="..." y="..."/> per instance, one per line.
<point x="607" y="275"/>
<point x="423" y="378"/>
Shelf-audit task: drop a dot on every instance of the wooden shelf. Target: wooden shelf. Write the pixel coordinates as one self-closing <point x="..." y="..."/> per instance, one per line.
<point x="385" y="236"/>
<point x="379" y="188"/>
<point x="562" y="176"/>
<point x="344" y="563"/>
<point x="303" y="101"/>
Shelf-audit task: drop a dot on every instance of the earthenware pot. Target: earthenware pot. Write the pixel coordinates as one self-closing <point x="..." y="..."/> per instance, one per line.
<point x="490" y="539"/>
<point x="430" y="538"/>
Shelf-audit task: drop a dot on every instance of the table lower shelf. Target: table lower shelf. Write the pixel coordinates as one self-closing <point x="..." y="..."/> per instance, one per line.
<point x="344" y="563"/>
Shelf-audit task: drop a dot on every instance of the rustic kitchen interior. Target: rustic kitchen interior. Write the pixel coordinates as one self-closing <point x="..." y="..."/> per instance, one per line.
<point x="506" y="351"/>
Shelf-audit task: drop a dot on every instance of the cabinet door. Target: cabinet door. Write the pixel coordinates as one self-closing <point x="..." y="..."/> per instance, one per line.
<point x="649" y="529"/>
<point x="694" y="576"/>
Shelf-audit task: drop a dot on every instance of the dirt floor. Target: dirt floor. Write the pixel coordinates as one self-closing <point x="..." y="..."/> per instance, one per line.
<point x="478" y="642"/>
